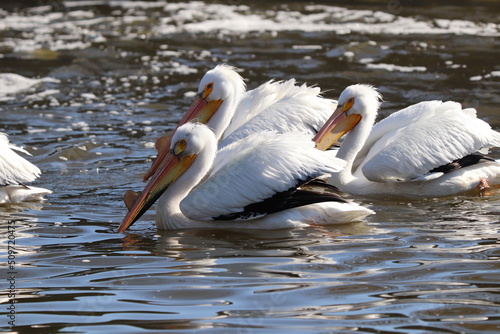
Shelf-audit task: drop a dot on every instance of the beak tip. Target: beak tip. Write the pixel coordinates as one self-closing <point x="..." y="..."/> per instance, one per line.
<point x="121" y="228"/>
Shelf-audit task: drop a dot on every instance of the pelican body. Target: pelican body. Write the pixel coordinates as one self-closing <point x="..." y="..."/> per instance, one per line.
<point x="429" y="149"/>
<point x="268" y="183"/>
<point x="15" y="171"/>
<point x="233" y="113"/>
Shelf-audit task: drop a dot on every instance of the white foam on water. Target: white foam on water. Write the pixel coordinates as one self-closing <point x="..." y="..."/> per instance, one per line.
<point x="137" y="4"/>
<point x="397" y="68"/>
<point x="46" y="94"/>
<point x="12" y="83"/>
<point x="197" y="17"/>
<point x="486" y="76"/>
<point x="78" y="27"/>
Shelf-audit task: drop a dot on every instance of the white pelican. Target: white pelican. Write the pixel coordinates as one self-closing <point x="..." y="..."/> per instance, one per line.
<point x="428" y="149"/>
<point x="14" y="172"/>
<point x="267" y="184"/>
<point x="233" y="113"/>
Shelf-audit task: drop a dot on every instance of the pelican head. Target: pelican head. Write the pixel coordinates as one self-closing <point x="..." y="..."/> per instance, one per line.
<point x="356" y="99"/>
<point x="217" y="85"/>
<point x="355" y="102"/>
<point x="222" y="83"/>
<point x="188" y="141"/>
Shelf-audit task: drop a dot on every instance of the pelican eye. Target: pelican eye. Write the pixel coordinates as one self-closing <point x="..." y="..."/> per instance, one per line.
<point x="208" y="90"/>
<point x="180" y="146"/>
<point x="348" y="104"/>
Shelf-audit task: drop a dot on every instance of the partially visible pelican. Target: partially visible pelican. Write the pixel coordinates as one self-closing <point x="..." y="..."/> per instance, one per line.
<point x="268" y="183"/>
<point x="428" y="149"/>
<point x="223" y="103"/>
<point x="15" y="171"/>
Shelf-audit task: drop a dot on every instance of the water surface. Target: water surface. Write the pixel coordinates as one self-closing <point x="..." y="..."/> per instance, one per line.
<point x="118" y="74"/>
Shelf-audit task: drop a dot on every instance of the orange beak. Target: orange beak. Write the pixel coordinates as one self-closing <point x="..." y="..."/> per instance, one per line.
<point x="201" y="111"/>
<point x="336" y="126"/>
<point x="170" y="171"/>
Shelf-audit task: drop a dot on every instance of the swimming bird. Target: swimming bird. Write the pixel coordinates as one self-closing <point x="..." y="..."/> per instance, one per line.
<point x="15" y="171"/>
<point x="268" y="183"/>
<point x="428" y="149"/>
<point x="223" y="103"/>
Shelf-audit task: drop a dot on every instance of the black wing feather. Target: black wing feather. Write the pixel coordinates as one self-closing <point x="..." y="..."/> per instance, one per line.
<point x="468" y="160"/>
<point x="307" y="192"/>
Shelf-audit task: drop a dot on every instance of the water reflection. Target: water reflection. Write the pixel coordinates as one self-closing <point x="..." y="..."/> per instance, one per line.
<point x="346" y="273"/>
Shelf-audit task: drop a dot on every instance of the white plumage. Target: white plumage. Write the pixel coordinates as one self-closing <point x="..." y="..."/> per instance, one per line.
<point x="293" y="109"/>
<point x="279" y="106"/>
<point x="223" y="103"/>
<point x="15" y="171"/>
<point x="262" y="166"/>
<point x="410" y="152"/>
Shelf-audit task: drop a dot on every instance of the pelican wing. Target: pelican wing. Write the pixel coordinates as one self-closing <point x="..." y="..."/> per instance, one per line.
<point x="256" y="100"/>
<point x="307" y="192"/>
<point x="410" y="115"/>
<point x="296" y="108"/>
<point x="412" y="151"/>
<point x="14" y="169"/>
<point x="254" y="170"/>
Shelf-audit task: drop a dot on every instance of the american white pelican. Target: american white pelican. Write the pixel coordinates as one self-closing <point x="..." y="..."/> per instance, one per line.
<point x="233" y="113"/>
<point x="428" y="149"/>
<point x="267" y="184"/>
<point x="14" y="172"/>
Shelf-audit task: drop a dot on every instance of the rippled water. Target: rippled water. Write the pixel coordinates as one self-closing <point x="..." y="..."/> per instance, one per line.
<point x="122" y="73"/>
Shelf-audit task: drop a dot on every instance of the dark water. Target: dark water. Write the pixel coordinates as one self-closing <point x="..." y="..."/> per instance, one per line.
<point x="124" y="73"/>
